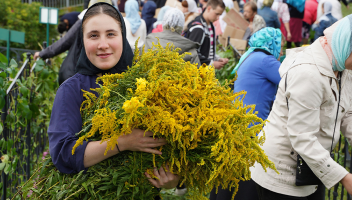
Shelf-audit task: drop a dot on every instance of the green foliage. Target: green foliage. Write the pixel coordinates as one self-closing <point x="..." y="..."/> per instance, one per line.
<point x="224" y="74"/>
<point x="24" y="17"/>
<point x="34" y="103"/>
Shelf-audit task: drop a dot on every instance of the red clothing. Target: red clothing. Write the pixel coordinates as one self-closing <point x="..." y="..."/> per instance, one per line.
<point x="296" y="30"/>
<point x="159" y="28"/>
<point x="310" y="11"/>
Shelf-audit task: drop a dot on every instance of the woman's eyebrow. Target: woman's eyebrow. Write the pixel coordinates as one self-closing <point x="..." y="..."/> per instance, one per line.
<point x="111" y="30"/>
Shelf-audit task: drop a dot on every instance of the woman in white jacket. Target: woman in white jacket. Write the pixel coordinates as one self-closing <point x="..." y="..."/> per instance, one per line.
<point x="135" y="26"/>
<point x="302" y="120"/>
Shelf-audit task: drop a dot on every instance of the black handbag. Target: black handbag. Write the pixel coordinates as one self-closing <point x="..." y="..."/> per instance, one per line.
<point x="304" y="175"/>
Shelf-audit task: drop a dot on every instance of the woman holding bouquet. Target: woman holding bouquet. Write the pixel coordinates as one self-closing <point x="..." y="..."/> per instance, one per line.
<point x="105" y="50"/>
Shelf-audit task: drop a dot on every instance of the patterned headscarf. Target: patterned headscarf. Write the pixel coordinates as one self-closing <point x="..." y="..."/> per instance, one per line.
<point x="268" y="39"/>
<point x="161" y="16"/>
<point x="337" y="42"/>
<point x="174" y="20"/>
<point x="131" y="10"/>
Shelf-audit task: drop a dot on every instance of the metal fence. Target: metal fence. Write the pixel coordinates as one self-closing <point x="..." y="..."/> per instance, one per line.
<point x="57" y="3"/>
<point x="21" y="137"/>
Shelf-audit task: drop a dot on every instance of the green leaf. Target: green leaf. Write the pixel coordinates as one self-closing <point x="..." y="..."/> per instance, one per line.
<point x="13" y="64"/>
<point x="84" y="184"/>
<point x="2" y="165"/>
<point x="3" y="74"/>
<point x="3" y="58"/>
<point x="7" y="168"/>
<point x="24" y="91"/>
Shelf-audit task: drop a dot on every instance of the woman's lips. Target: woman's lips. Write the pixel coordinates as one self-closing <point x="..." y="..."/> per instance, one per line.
<point x="104" y="55"/>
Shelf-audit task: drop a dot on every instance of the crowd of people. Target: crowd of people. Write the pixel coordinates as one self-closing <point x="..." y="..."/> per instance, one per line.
<point x="306" y="99"/>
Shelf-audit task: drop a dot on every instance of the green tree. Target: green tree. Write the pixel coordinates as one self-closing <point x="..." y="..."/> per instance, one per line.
<point x="24" y="17"/>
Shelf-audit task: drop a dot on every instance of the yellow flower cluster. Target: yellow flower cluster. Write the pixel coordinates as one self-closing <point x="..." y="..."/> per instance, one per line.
<point x="205" y="124"/>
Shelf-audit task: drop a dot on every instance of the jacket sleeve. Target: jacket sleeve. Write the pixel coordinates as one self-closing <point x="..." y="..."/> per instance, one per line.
<point x="271" y="69"/>
<point x="63" y="44"/>
<point x="305" y="96"/>
<point x="65" y="122"/>
<point x="196" y="34"/>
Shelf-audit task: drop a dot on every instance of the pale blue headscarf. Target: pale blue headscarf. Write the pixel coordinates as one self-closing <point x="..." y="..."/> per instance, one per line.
<point x="268" y="39"/>
<point x="132" y="15"/>
<point x="161" y="16"/>
<point x="298" y="4"/>
<point x="341" y="43"/>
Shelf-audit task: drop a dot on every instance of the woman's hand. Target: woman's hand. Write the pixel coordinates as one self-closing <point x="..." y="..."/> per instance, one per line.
<point x="166" y="180"/>
<point x="136" y="141"/>
<point x="347" y="183"/>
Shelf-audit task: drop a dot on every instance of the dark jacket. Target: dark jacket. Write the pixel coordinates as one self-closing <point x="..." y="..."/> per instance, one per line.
<point x="198" y="32"/>
<point x="176" y="39"/>
<point x="72" y="42"/>
<point x="72" y="18"/>
<point x="270" y="17"/>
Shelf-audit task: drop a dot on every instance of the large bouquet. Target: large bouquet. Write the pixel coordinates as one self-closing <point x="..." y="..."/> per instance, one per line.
<point x="205" y="124"/>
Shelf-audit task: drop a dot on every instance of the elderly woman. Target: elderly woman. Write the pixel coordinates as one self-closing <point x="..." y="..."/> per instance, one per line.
<point x="158" y="25"/>
<point x="172" y="28"/>
<point x="312" y="106"/>
<point x="258" y="74"/>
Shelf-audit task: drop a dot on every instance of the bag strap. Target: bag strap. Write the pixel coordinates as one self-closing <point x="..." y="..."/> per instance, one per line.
<point x="338" y="104"/>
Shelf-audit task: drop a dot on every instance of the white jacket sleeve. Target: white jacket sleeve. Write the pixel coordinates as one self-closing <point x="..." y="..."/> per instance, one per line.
<point x="305" y="96"/>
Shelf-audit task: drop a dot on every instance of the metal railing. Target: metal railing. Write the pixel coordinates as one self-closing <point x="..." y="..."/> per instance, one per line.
<point x="22" y="137"/>
<point x="57" y="3"/>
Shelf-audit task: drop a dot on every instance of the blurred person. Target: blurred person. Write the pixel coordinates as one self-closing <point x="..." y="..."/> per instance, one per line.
<point x="296" y="8"/>
<point x="66" y="21"/>
<point x="201" y="30"/>
<point x="258" y="74"/>
<point x="203" y="4"/>
<point x="173" y="23"/>
<point x="336" y="9"/>
<point x="72" y="41"/>
<point x="284" y="16"/>
<point x="135" y="26"/>
<point x="325" y="21"/>
<point x="256" y="22"/>
<point x="191" y="11"/>
<point x="121" y="5"/>
<point x="345" y="2"/>
<point x="148" y="13"/>
<point x="312" y="107"/>
<point x="310" y="16"/>
<point x="270" y="17"/>
<point x="229" y="4"/>
<point x="158" y="25"/>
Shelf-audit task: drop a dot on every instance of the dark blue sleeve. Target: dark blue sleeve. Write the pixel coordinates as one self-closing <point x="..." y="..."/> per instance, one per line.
<point x="319" y="30"/>
<point x="65" y="122"/>
<point x="271" y="69"/>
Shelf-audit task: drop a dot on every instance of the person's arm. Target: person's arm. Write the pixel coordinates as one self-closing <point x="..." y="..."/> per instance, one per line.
<point x="196" y="34"/>
<point x="305" y="93"/>
<point x="271" y="69"/>
<point x="63" y="44"/>
<point x="277" y="22"/>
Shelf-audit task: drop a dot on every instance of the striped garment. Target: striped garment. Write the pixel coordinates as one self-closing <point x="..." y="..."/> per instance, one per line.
<point x="211" y="33"/>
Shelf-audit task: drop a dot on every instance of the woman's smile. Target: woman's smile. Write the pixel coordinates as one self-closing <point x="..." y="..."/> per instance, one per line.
<point x="104" y="55"/>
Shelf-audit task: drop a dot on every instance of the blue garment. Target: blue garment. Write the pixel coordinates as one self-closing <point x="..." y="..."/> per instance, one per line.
<point x="298" y="4"/>
<point x="148" y="13"/>
<point x="270" y="17"/>
<point x="66" y="121"/>
<point x="259" y="76"/>
<point x="131" y="8"/>
<point x="323" y="24"/>
<point x="72" y="17"/>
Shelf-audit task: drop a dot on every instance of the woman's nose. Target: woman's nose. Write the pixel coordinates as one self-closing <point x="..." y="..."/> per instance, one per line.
<point x="103" y="44"/>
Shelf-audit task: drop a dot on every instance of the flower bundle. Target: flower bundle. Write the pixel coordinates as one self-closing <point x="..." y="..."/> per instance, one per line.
<point x="205" y="124"/>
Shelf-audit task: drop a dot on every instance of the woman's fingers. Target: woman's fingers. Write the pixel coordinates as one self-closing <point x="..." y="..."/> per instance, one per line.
<point x="156" y="173"/>
<point x="162" y="173"/>
<point x="152" y="181"/>
<point x="153" y="151"/>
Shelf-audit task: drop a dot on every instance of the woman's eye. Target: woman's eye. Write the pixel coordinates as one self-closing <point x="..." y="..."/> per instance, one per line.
<point x="111" y="34"/>
<point x="93" y="36"/>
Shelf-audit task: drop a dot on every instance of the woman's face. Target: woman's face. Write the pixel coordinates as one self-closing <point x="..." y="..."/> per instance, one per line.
<point x="102" y="39"/>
